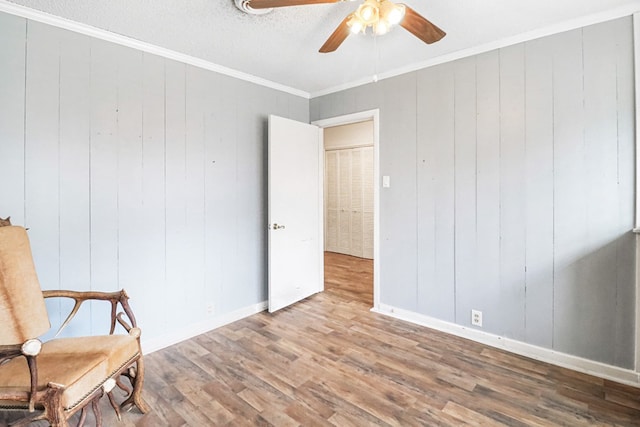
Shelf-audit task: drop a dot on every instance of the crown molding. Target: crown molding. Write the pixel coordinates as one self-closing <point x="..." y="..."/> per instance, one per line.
<point x="88" y="30"/>
<point x="561" y="27"/>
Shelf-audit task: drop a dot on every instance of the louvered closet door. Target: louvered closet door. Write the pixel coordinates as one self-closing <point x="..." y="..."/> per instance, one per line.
<point x="331" y="201"/>
<point x="356" y="202"/>
<point x="344" y="201"/>
<point x="349" y="201"/>
<point x="367" y="202"/>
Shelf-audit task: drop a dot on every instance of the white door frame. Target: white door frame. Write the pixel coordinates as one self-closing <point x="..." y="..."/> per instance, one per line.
<point x="355" y="118"/>
<point x="636" y="39"/>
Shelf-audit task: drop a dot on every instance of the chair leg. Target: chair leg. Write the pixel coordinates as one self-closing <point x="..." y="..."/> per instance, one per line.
<point x="137" y="380"/>
<point x="114" y="405"/>
<point x="95" y="405"/>
<point x="53" y="410"/>
<point x="122" y="386"/>
<point x="83" y="417"/>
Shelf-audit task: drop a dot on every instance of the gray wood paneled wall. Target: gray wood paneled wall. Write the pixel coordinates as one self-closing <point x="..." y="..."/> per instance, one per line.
<point x="133" y="171"/>
<point x="513" y="190"/>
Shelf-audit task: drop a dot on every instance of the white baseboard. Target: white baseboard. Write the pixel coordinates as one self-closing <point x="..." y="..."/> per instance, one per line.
<point x="598" y="369"/>
<point x="155" y="344"/>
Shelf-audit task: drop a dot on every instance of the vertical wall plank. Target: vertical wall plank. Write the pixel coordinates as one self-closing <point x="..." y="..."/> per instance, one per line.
<point x="299" y="110"/>
<point x="42" y="150"/>
<point x="601" y="162"/>
<point x="488" y="189"/>
<point x="314" y="108"/>
<point x="512" y="198"/>
<point x="426" y="84"/>
<point x="262" y="103"/>
<point x="42" y="204"/>
<point x="444" y="177"/>
<point x="195" y="141"/>
<point x="349" y="102"/>
<point x="439" y="130"/>
<point x="539" y="192"/>
<point x="130" y="172"/>
<point x="250" y="145"/>
<point x="247" y="127"/>
<point x="570" y="203"/>
<point x="398" y="206"/>
<point x="213" y="189"/>
<point x="152" y="229"/>
<point x="211" y="268"/>
<point x="41" y="156"/>
<point x="325" y="107"/>
<point x="75" y="134"/>
<point x="104" y="172"/>
<point x="280" y="107"/>
<point x="337" y="103"/>
<point x="367" y="97"/>
<point x="176" y="182"/>
<point x="625" y="238"/>
<point x="12" y="92"/>
<point x="221" y="191"/>
<point x="466" y="291"/>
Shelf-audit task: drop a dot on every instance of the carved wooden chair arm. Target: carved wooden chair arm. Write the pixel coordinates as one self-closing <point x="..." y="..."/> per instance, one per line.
<point x="8" y="352"/>
<point x="113" y="297"/>
<point x="30" y="350"/>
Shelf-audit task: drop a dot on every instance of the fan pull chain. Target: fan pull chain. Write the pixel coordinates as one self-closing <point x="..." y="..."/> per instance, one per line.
<point x="376" y="57"/>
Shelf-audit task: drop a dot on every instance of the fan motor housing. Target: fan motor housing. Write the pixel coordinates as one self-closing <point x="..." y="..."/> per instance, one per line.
<point x="245" y="6"/>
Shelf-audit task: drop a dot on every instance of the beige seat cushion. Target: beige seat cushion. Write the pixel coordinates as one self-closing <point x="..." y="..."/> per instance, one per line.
<point x="80" y="364"/>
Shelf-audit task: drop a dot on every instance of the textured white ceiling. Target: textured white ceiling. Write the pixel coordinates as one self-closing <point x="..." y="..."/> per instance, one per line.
<point x="283" y="46"/>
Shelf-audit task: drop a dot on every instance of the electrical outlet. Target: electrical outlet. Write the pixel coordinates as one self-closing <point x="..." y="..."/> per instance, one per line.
<point x="210" y="309"/>
<point x="476" y="318"/>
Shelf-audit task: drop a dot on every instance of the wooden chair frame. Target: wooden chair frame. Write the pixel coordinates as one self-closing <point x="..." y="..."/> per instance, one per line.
<point x="49" y="399"/>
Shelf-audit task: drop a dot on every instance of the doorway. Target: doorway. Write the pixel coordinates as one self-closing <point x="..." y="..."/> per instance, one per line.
<point x="348" y="259"/>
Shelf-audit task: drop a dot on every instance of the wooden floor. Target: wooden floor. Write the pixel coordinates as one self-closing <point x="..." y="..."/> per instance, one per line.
<point x="329" y="361"/>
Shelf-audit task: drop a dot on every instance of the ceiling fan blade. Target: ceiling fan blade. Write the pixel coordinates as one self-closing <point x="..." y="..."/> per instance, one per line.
<point x="267" y="4"/>
<point x="337" y="37"/>
<point x="420" y="27"/>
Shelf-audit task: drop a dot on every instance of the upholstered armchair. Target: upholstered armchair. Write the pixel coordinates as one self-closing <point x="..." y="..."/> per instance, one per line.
<point x="56" y="379"/>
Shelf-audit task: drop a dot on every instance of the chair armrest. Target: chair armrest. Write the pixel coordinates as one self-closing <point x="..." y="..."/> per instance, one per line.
<point x="30" y="350"/>
<point x="113" y="297"/>
<point x="8" y="352"/>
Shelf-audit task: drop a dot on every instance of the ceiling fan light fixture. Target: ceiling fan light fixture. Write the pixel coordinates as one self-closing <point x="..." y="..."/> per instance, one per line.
<point x="381" y="27"/>
<point x="379" y="15"/>
<point x="395" y="14"/>
<point x="355" y="25"/>
<point x="368" y="12"/>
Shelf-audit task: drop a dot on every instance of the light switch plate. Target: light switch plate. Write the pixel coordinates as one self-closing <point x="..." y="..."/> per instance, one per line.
<point x="386" y="181"/>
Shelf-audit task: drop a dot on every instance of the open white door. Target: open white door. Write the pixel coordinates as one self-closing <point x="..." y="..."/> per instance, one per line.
<point x="295" y="212"/>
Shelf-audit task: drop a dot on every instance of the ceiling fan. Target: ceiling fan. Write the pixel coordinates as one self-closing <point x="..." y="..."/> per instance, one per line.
<point x="378" y="15"/>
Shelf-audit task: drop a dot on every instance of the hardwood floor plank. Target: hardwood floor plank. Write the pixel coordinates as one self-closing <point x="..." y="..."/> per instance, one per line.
<point x="468" y="416"/>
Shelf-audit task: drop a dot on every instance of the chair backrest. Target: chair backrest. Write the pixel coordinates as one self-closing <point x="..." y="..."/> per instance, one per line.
<point x="23" y="313"/>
